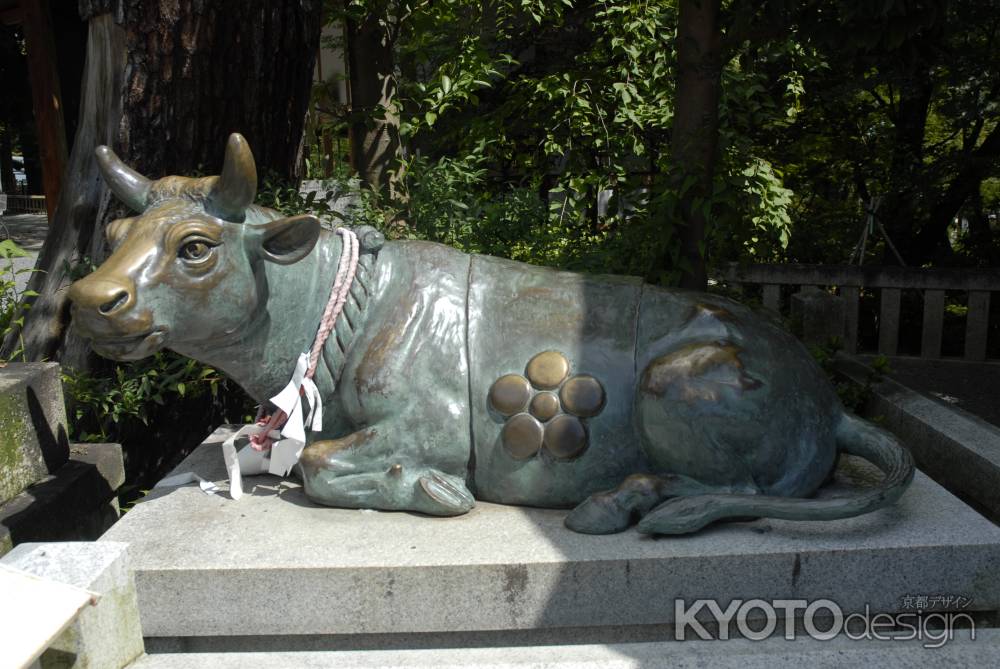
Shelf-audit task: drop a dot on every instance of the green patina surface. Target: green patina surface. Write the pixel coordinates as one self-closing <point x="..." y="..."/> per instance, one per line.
<point x="20" y="465"/>
<point x="6" y="544"/>
<point x="704" y="411"/>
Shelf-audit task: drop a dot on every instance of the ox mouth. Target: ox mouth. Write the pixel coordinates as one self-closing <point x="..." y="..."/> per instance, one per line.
<point x="133" y="347"/>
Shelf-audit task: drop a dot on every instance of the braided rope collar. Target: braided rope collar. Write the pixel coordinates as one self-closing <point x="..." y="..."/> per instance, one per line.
<point x="301" y="386"/>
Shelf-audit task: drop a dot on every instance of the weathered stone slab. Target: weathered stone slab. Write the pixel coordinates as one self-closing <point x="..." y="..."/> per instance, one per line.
<point x="959" y="450"/>
<point x="773" y="653"/>
<point x="105" y="636"/>
<point x="78" y="502"/>
<point x="33" y="437"/>
<point x="274" y="563"/>
<point x="819" y="314"/>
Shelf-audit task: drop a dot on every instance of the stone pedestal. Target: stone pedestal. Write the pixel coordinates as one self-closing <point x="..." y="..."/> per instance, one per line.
<point x="33" y="437"/>
<point x="274" y="566"/>
<point x="50" y="490"/>
<point x="105" y="636"/>
<point x="77" y="502"/>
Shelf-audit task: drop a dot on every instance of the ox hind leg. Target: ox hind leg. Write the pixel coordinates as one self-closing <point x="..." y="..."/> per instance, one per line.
<point x="616" y="510"/>
<point x="354" y="473"/>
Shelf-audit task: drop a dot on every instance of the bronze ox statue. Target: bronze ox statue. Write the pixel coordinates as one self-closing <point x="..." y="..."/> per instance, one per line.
<point x="453" y="377"/>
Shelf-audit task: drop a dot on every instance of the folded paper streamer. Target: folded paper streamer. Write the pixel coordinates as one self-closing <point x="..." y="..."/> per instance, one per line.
<point x="288" y="400"/>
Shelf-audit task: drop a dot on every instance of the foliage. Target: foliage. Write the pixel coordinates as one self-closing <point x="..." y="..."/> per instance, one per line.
<point x="853" y="395"/>
<point x="101" y="405"/>
<point x="158" y="409"/>
<point x="573" y="103"/>
<point x="11" y="313"/>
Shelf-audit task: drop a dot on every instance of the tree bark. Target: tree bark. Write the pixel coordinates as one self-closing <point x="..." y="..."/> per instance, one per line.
<point x="46" y="96"/>
<point x="374" y="128"/>
<point x="696" y="129"/>
<point x="165" y="83"/>
<point x="976" y="166"/>
<point x="7" y="181"/>
<point x="904" y="208"/>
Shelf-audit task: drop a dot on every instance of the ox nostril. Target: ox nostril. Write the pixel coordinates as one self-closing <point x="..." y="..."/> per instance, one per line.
<point x="115" y="303"/>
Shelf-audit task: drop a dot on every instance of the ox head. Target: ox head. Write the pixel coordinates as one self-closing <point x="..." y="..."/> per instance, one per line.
<point x="184" y="272"/>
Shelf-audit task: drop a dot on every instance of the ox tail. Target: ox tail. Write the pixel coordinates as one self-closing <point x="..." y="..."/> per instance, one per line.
<point x="681" y="515"/>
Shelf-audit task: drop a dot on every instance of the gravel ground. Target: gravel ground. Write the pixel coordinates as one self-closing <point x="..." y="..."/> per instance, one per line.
<point x="29" y="231"/>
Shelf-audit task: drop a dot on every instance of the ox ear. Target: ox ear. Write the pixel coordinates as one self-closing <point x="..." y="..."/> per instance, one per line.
<point x="117" y="230"/>
<point x="287" y="240"/>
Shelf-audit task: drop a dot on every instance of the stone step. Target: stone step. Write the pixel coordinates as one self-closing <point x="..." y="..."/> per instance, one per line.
<point x="33" y="437"/>
<point x="957" y="449"/>
<point x="274" y="564"/>
<point x="76" y="503"/>
<point x="772" y="653"/>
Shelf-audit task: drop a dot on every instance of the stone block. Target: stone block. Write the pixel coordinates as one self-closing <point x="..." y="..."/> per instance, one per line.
<point x="274" y="563"/>
<point x="78" y="502"/>
<point x="105" y="636"/>
<point x="819" y="314"/>
<point x="33" y="436"/>
<point x="771" y="653"/>
<point x="957" y="449"/>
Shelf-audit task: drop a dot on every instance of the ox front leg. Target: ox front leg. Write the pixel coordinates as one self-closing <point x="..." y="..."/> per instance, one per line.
<point x="353" y="472"/>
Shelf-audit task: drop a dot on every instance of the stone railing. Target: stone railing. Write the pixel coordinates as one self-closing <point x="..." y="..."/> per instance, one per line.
<point x="849" y="280"/>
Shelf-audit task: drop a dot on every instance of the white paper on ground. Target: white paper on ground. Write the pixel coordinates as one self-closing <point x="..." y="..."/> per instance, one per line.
<point x="286" y="447"/>
<point x="246" y="461"/>
<point x="188" y="477"/>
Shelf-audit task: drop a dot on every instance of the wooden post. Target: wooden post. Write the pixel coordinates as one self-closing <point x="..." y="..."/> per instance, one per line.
<point x="772" y="297"/>
<point x="930" y="339"/>
<point x="977" y="322"/>
<point x="46" y="97"/>
<point x="888" y="326"/>
<point x="852" y="302"/>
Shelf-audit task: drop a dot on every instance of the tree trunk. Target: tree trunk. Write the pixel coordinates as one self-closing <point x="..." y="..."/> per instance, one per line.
<point x="46" y="95"/>
<point x="7" y="181"/>
<point x="976" y="166"/>
<point x="903" y="208"/>
<point x="371" y="73"/>
<point x="164" y="84"/>
<point x="696" y="129"/>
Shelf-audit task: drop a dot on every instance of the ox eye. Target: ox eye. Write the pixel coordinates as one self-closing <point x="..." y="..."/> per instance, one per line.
<point x="195" y="250"/>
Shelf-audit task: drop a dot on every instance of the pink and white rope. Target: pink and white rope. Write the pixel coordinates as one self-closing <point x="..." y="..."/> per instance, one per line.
<point x="346" y="271"/>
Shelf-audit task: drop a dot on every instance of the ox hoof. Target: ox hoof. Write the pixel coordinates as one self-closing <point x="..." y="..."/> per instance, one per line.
<point x="444" y="495"/>
<point x="600" y="514"/>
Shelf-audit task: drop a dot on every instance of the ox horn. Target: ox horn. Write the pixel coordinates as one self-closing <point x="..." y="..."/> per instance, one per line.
<point x="131" y="187"/>
<point x="237" y="185"/>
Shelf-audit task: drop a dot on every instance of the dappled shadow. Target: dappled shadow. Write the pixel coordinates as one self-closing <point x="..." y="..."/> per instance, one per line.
<point x="74" y="504"/>
<point x="54" y="445"/>
<point x="27" y="230"/>
<point x="555" y="586"/>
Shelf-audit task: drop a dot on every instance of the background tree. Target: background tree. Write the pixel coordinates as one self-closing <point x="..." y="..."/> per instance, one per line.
<point x="695" y="132"/>
<point x="902" y="108"/>
<point x="164" y="84"/>
<point x="556" y="132"/>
